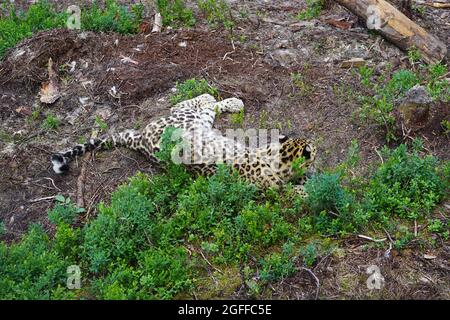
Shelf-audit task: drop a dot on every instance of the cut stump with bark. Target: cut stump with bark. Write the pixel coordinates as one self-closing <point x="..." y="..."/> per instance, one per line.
<point x="380" y="15"/>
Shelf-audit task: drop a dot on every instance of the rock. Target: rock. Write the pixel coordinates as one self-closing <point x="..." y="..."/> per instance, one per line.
<point x="283" y="44"/>
<point x="73" y="116"/>
<point x="415" y="106"/>
<point x="285" y="57"/>
<point x="417" y="95"/>
<point x="9" y="149"/>
<point x="104" y="113"/>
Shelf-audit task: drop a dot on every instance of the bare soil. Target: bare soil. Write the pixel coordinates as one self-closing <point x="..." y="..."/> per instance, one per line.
<point x="257" y="67"/>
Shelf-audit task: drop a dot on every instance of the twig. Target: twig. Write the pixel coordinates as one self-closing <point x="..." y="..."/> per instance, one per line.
<point x="371" y="239"/>
<point x="438" y="5"/>
<point x="317" y="280"/>
<point x="209" y="263"/>
<point x="81" y="180"/>
<point x="378" y="153"/>
<point x="53" y="183"/>
<point x="389" y="236"/>
<point x="42" y="199"/>
<point x="415" y="228"/>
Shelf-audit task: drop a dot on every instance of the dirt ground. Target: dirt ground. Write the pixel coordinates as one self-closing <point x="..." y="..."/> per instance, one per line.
<point x="257" y="67"/>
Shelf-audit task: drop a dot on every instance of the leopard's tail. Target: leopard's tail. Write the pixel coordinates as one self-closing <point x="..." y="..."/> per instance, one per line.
<point x="128" y="138"/>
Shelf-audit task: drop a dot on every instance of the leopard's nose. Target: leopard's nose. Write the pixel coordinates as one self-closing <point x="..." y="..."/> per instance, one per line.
<point x="310" y="171"/>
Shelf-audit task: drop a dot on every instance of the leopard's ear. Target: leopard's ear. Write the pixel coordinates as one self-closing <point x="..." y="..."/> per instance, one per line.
<point x="307" y="152"/>
<point x="283" y="138"/>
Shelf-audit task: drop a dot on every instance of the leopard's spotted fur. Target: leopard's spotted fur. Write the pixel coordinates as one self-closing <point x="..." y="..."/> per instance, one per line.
<point x="196" y="117"/>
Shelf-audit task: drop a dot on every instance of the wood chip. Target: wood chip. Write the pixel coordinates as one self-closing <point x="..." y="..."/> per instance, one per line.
<point x="50" y="90"/>
<point x="340" y="24"/>
<point x="353" y="63"/>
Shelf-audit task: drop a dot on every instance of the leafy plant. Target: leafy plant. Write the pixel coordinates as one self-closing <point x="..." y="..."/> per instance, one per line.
<point x="366" y="74"/>
<point x="217" y="12"/>
<point x="175" y="13"/>
<point x="437" y="86"/>
<point x="379" y="106"/>
<point x="414" y="55"/>
<point x="446" y="125"/>
<point x="439" y="227"/>
<point x="65" y="211"/>
<point x="192" y="88"/>
<point x="101" y="123"/>
<point x="298" y="80"/>
<point x="325" y="193"/>
<point x="31" y="269"/>
<point x="309" y="253"/>
<point x="277" y="266"/>
<point x="51" y="122"/>
<point x="113" y="17"/>
<point x="406" y="184"/>
<point x="313" y="10"/>
<point x="238" y="118"/>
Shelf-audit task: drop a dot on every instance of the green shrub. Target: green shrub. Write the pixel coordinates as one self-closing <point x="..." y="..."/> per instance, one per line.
<point x="439" y="227"/>
<point x="192" y="88"/>
<point x="121" y="229"/>
<point x="175" y="13"/>
<point x="313" y="10"/>
<point x="309" y="254"/>
<point x="31" y="269"/>
<point x="277" y="266"/>
<point x="159" y="274"/>
<point x="217" y="12"/>
<point x="64" y="211"/>
<point x="113" y="17"/>
<point x="325" y="193"/>
<point x="437" y="86"/>
<point x="405" y="185"/>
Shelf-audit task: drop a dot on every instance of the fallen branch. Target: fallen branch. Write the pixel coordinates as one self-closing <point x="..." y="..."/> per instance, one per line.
<point x="42" y="199"/>
<point x="381" y="16"/>
<point x="438" y="5"/>
<point x="317" y="280"/>
<point x="370" y="238"/>
<point x="81" y="181"/>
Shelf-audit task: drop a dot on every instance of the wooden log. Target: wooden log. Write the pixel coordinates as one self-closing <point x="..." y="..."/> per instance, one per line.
<point x="380" y="15"/>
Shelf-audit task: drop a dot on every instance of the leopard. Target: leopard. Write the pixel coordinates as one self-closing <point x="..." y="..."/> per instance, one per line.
<point x="269" y="165"/>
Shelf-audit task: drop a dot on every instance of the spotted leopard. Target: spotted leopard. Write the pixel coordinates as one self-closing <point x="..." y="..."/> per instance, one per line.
<point x="268" y="166"/>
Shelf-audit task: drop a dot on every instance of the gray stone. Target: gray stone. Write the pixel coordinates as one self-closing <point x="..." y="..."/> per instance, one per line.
<point x="285" y="57"/>
<point x="415" y="106"/>
<point x="417" y="95"/>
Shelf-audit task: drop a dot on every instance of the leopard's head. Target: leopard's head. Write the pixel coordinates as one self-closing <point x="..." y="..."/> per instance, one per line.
<point x="292" y="149"/>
